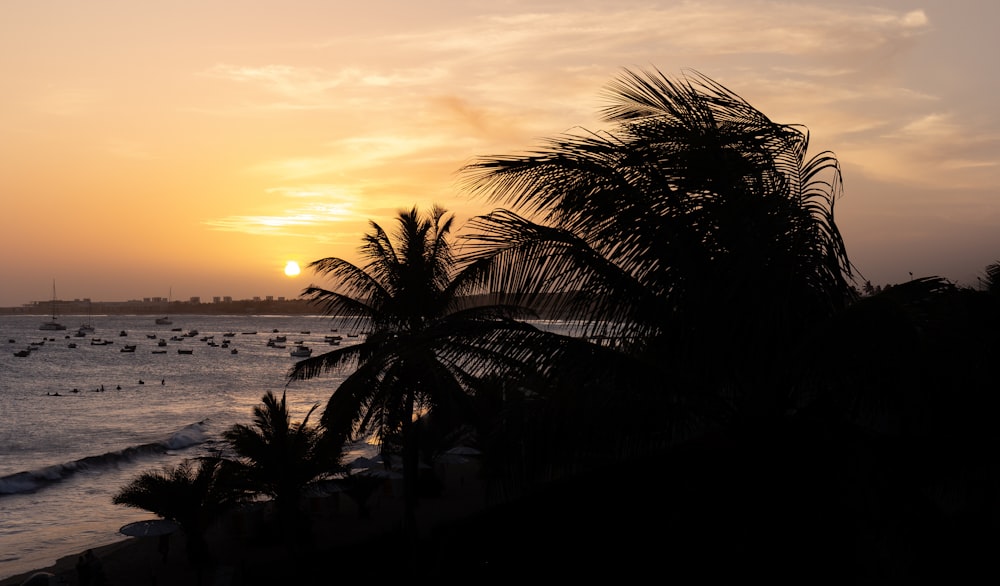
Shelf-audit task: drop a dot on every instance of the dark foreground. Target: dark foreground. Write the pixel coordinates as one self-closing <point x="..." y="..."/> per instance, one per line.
<point x="728" y="509"/>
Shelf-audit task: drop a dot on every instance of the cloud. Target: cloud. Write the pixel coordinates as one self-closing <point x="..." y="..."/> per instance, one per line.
<point x="317" y="206"/>
<point x="68" y="101"/>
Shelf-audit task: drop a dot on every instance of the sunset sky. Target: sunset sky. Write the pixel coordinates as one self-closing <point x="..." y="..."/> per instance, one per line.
<point x="192" y="148"/>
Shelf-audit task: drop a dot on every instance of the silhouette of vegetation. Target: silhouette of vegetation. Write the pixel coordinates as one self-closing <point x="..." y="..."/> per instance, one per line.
<point x="192" y="496"/>
<point x="701" y="247"/>
<point x="427" y="346"/>
<point x="729" y="404"/>
<point x="695" y="231"/>
<point x="282" y="459"/>
<point x="992" y="281"/>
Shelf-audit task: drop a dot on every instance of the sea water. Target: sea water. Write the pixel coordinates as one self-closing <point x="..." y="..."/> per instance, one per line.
<point x="78" y="423"/>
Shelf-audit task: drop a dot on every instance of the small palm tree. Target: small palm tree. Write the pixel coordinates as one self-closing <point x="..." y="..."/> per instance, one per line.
<point x="192" y="496"/>
<point x="281" y="459"/>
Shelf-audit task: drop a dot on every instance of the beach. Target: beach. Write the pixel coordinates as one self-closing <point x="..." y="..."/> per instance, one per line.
<point x="242" y="554"/>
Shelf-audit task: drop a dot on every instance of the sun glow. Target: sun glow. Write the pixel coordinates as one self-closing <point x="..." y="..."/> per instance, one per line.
<point x="292" y="268"/>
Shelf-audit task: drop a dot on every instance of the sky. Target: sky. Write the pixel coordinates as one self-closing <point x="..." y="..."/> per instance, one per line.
<point x="192" y="148"/>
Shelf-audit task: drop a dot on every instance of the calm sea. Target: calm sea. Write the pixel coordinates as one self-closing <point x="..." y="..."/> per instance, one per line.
<point x="78" y="423"/>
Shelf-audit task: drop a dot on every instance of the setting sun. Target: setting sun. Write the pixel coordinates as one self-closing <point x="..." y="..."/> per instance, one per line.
<point x="292" y="268"/>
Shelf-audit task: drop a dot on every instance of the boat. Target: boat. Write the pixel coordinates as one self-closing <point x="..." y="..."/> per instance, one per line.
<point x="184" y="351"/>
<point x="52" y="325"/>
<point x="22" y="353"/>
<point x="161" y="342"/>
<point x="128" y="348"/>
<point x="300" y="351"/>
<point x="165" y="320"/>
<point x="87" y="328"/>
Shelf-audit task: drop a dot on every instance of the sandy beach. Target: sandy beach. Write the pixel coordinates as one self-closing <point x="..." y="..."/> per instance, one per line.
<point x="242" y="555"/>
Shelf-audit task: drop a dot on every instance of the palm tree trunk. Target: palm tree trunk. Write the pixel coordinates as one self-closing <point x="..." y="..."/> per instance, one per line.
<point x="411" y="453"/>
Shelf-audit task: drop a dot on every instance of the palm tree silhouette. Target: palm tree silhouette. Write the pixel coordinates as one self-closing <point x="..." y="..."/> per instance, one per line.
<point x="695" y="233"/>
<point x="282" y="459"/>
<point x="428" y="345"/>
<point x="194" y="497"/>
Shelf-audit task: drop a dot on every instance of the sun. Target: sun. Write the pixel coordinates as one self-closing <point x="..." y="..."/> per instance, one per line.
<point x="292" y="268"/>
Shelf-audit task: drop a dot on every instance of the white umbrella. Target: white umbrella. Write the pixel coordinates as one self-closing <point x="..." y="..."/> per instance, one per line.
<point x="381" y="472"/>
<point x="40" y="579"/>
<point x="150" y="528"/>
<point x="463" y="451"/>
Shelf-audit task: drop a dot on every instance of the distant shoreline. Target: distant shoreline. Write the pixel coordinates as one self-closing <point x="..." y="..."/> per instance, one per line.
<point x="226" y="306"/>
<point x="235" y="307"/>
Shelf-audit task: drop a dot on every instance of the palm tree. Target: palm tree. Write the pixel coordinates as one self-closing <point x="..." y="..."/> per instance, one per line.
<point x="281" y="459"/>
<point x="695" y="233"/>
<point x="992" y="280"/>
<point x="429" y="343"/>
<point x="193" y="497"/>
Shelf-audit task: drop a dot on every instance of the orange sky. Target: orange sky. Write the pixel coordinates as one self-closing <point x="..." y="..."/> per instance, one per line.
<point x="195" y="147"/>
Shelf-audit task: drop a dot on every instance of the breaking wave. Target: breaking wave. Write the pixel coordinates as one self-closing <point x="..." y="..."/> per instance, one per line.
<point x="33" y="480"/>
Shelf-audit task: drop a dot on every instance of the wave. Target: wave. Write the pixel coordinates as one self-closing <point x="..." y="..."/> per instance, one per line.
<point x="34" y="480"/>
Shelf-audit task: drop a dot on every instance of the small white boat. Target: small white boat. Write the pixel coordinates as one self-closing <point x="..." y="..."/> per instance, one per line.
<point x="301" y="351"/>
<point x="163" y="321"/>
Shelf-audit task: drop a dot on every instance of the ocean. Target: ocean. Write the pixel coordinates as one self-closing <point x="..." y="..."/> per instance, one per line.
<point x="78" y="423"/>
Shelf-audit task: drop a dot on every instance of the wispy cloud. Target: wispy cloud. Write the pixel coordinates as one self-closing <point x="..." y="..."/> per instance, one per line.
<point x="317" y="206"/>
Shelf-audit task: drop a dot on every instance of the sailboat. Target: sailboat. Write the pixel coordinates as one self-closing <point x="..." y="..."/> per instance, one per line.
<point x="87" y="328"/>
<point x="53" y="324"/>
<point x="165" y="320"/>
